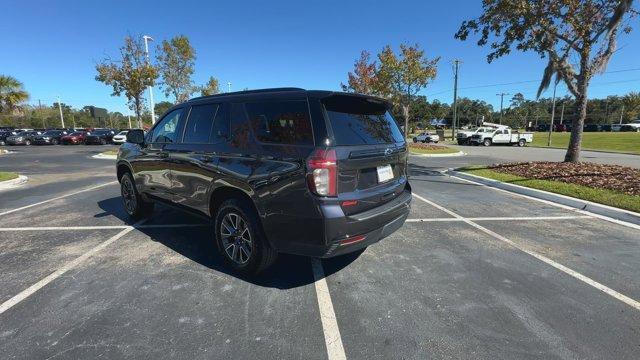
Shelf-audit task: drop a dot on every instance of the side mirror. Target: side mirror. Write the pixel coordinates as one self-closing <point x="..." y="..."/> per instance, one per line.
<point x="135" y="136"/>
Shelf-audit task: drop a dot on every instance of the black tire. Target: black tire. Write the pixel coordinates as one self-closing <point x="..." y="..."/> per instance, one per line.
<point x="54" y="142"/>
<point x="486" y="142"/>
<point x="134" y="205"/>
<point x="103" y="142"/>
<point x="522" y="142"/>
<point x="460" y="142"/>
<point x="415" y="140"/>
<point x="232" y="246"/>
<point x="27" y="142"/>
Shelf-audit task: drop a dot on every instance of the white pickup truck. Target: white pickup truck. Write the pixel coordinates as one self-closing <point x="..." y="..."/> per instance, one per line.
<point x="500" y="135"/>
<point x="426" y="137"/>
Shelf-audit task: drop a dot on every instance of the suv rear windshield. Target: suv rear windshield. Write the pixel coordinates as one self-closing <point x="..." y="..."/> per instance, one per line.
<point x="361" y="121"/>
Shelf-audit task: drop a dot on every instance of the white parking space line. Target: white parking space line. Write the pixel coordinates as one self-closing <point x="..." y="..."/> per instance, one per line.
<point x="333" y="341"/>
<point x="58" y="198"/>
<point x="516" y="218"/>
<point x="102" y="227"/>
<point x="561" y="206"/>
<point x="627" y="300"/>
<point x="66" y="267"/>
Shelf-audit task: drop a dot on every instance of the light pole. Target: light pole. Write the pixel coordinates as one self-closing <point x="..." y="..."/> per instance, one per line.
<point x="229" y="86"/>
<point x="455" y="99"/>
<point x="553" y="113"/>
<point x="60" y="108"/>
<point x="151" y="104"/>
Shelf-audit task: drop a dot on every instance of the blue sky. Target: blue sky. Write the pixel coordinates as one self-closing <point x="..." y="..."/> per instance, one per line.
<point x="53" y="46"/>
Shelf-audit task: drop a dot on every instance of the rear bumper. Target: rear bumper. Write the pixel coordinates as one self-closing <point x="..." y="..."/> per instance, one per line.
<point x="374" y="224"/>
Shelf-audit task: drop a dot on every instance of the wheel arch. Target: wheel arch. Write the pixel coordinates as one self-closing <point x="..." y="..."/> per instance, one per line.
<point x="122" y="168"/>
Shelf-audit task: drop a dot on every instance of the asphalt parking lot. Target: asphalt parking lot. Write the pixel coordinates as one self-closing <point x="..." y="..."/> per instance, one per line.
<point x="476" y="273"/>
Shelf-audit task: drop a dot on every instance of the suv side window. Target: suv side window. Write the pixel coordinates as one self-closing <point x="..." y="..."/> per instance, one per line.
<point x="166" y="130"/>
<point x="200" y="123"/>
<point x="281" y="122"/>
<point x="220" y="130"/>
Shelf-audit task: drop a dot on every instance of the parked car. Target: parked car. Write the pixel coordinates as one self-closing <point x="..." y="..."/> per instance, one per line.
<point x="101" y="137"/>
<point x="22" y="138"/>
<point x="74" y="138"/>
<point x="559" y="127"/>
<point x="120" y="138"/>
<point x="542" y="128"/>
<point x="632" y="126"/>
<point x="501" y="135"/>
<point x="50" y="137"/>
<point x="629" y="127"/>
<point x="315" y="173"/>
<point x="426" y="137"/>
<point x="4" y="135"/>
<point x="592" y="128"/>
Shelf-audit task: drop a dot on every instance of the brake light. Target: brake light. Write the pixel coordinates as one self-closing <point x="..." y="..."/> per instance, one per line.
<point x="322" y="172"/>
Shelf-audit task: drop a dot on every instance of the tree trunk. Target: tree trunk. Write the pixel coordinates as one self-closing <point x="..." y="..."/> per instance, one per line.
<point x="405" y="113"/>
<point x="575" y="141"/>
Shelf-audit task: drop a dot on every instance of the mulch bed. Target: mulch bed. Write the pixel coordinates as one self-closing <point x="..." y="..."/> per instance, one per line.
<point x="426" y="146"/>
<point x="613" y="177"/>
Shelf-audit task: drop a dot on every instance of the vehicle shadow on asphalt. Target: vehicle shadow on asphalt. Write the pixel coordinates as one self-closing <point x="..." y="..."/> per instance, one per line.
<point x="196" y="243"/>
<point x="428" y="174"/>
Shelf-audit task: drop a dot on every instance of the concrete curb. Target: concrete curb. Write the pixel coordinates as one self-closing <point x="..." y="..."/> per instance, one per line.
<point x="579" y="204"/>
<point x="13" y="183"/>
<point x="597" y="151"/>
<point x="105" y="157"/>
<point x="459" y="153"/>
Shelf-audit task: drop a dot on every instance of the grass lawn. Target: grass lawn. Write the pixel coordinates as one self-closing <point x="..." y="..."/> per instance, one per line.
<point x="110" y="152"/>
<point x="432" y="150"/>
<point x="601" y="196"/>
<point x="7" y="176"/>
<point x="628" y="142"/>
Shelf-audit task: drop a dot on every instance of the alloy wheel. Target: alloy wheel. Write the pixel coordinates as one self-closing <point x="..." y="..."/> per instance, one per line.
<point x="128" y="195"/>
<point x="236" y="238"/>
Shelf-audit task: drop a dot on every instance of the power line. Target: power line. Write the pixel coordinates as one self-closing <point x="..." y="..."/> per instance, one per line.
<point x="530" y="81"/>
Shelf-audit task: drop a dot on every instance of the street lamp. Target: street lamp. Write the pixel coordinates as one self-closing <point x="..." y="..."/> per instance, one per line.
<point x="146" y="51"/>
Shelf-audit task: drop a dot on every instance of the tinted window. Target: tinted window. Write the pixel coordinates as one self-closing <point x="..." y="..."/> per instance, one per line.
<point x="359" y="121"/>
<point x="220" y="130"/>
<point x="240" y="132"/>
<point x="199" y="123"/>
<point x="52" y="133"/>
<point x="285" y="122"/>
<point x="165" y="131"/>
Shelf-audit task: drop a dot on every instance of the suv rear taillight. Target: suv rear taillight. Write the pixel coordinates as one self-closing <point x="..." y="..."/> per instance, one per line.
<point x="322" y="172"/>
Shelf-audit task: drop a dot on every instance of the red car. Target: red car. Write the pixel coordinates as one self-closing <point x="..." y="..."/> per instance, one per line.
<point x="73" y="138"/>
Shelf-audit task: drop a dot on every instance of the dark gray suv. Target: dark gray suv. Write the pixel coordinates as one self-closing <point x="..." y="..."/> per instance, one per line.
<point x="315" y="173"/>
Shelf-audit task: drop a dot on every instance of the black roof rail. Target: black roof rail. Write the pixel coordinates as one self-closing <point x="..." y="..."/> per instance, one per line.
<point x="257" y="91"/>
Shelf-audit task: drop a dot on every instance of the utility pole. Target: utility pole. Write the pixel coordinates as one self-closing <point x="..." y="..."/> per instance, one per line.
<point x="151" y="104"/>
<point x="621" y="113"/>
<point x="456" y="63"/>
<point x="553" y="113"/>
<point x="40" y="111"/>
<point x="129" y="118"/>
<point x="60" y="108"/>
<point x="501" y="102"/>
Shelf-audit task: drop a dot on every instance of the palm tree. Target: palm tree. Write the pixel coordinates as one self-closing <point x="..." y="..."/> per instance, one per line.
<point x="11" y="93"/>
